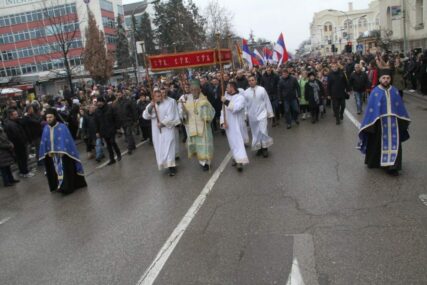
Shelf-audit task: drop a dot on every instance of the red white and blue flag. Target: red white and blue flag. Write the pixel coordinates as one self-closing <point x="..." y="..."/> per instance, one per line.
<point x="260" y="57"/>
<point x="247" y="55"/>
<point x="268" y="54"/>
<point x="280" y="53"/>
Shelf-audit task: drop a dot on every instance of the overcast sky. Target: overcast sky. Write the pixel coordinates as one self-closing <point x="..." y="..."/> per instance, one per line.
<point x="267" y="18"/>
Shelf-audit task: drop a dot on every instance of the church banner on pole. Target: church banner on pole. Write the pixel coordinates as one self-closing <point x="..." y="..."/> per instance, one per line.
<point x="188" y="59"/>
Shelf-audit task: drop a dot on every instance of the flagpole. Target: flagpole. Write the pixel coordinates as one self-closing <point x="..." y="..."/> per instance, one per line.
<point x="230" y="45"/>
<point x="222" y="74"/>
<point x="151" y="89"/>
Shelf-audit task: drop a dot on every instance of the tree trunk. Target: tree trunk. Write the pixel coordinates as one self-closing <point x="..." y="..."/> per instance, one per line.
<point x="69" y="74"/>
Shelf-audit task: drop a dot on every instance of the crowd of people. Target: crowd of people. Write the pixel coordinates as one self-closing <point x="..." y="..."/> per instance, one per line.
<point x="194" y="108"/>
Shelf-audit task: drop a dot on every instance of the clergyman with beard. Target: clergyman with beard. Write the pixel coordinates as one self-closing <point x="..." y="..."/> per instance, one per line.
<point x="384" y="127"/>
<point x="64" y="170"/>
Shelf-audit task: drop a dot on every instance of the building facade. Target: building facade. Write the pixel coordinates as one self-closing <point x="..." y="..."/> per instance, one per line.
<point x="29" y="30"/>
<point x="396" y="15"/>
<point x="335" y="29"/>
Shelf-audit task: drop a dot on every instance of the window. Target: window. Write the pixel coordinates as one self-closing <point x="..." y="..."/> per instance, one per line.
<point x="120" y="10"/>
<point x="348" y="24"/>
<point x="106" y="5"/>
<point x="419" y="15"/>
<point x="362" y="22"/>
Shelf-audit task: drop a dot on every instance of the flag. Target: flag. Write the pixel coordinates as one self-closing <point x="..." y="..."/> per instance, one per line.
<point x="260" y="57"/>
<point x="239" y="53"/>
<point x="280" y="52"/>
<point x="268" y="53"/>
<point x="248" y="56"/>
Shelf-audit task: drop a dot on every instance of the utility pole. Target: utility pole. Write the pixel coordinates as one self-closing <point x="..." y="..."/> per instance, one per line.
<point x="405" y="37"/>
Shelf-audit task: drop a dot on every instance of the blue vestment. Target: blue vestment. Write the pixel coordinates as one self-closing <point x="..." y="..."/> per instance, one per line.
<point x="386" y="106"/>
<point x="56" y="142"/>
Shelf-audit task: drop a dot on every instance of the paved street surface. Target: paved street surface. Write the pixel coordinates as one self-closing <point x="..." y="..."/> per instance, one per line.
<point x="311" y="213"/>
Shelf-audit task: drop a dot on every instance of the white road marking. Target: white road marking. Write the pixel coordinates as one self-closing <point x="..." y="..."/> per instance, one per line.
<point x="4" y="220"/>
<point x="123" y="153"/>
<point x="303" y="271"/>
<point x="156" y="266"/>
<point x="423" y="198"/>
<point x="352" y="118"/>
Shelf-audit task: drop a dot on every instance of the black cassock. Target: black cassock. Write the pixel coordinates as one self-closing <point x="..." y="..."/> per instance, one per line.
<point x="71" y="180"/>
<point x="373" y="148"/>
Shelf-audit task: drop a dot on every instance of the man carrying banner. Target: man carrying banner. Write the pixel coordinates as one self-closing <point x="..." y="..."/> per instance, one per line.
<point x="197" y="114"/>
<point x="259" y="110"/>
<point x="163" y="113"/>
<point x="233" y="121"/>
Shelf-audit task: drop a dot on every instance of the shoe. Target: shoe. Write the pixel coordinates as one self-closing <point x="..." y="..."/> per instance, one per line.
<point x="393" y="172"/>
<point x="265" y="152"/>
<point x="206" y="167"/>
<point x="234" y="163"/>
<point x="177" y="157"/>
<point x="172" y="171"/>
<point x="297" y="122"/>
<point x="338" y="122"/>
<point x="111" y="162"/>
<point x="259" y="152"/>
<point x="129" y="152"/>
<point x="239" y="167"/>
<point x="288" y="127"/>
<point x="27" y="175"/>
<point x="119" y="157"/>
<point x="313" y="120"/>
<point x="15" y="181"/>
<point x="341" y="117"/>
<point x="359" y="113"/>
<point x="8" y="184"/>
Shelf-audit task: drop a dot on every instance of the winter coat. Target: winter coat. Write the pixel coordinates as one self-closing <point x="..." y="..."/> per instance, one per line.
<point x="270" y="83"/>
<point x="288" y="88"/>
<point x="33" y="126"/>
<point x="126" y="111"/>
<point x="398" y="80"/>
<point x="89" y="127"/>
<point x="140" y="106"/>
<point x="106" y="121"/>
<point x="337" y="85"/>
<point x="6" y="154"/>
<point x="242" y="82"/>
<point x="359" y="81"/>
<point x="16" y="133"/>
<point x="309" y="94"/>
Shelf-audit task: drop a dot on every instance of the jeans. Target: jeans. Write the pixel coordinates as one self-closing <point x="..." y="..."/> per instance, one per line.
<point x="112" y="145"/>
<point x="338" y="104"/>
<point x="21" y="153"/>
<point x="358" y="98"/>
<point x="129" y="137"/>
<point x="98" y="149"/>
<point x="291" y="110"/>
<point x="6" y="174"/>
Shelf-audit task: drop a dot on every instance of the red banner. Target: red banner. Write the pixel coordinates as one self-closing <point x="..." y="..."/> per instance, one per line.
<point x="188" y="59"/>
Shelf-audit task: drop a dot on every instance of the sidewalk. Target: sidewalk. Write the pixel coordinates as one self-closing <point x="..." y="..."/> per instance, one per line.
<point x="416" y="94"/>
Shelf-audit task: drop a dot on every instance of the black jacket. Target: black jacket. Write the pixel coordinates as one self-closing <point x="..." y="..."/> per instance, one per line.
<point x="359" y="81"/>
<point x="6" y="157"/>
<point x="126" y="111"/>
<point x="141" y="106"/>
<point x="288" y="88"/>
<point x="270" y="83"/>
<point x="16" y="133"/>
<point x="242" y="82"/>
<point x="309" y="94"/>
<point x="89" y="127"/>
<point x="106" y="121"/>
<point x="337" y="85"/>
<point x="33" y="126"/>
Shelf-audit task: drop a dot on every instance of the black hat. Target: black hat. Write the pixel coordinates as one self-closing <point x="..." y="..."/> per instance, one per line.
<point x="385" y="71"/>
<point x="52" y="111"/>
<point x="100" y="99"/>
<point x="311" y="73"/>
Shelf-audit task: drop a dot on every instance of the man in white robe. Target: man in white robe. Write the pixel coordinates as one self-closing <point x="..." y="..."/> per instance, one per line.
<point x="163" y="129"/>
<point x="234" y="124"/>
<point x="259" y="110"/>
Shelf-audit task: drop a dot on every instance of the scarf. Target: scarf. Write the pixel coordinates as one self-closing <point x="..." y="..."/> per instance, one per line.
<point x="316" y="90"/>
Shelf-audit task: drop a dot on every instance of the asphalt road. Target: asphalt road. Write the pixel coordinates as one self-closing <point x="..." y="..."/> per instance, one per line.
<point x="311" y="213"/>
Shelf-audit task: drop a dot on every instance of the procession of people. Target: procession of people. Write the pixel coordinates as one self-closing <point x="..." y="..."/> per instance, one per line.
<point x="195" y="109"/>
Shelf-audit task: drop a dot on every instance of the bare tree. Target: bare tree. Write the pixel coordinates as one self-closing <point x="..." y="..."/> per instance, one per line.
<point x="218" y="20"/>
<point x="61" y="33"/>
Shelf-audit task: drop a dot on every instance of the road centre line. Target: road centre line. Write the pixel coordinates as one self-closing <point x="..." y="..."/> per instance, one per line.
<point x="4" y="220"/>
<point x="162" y="256"/>
<point x="352" y="118"/>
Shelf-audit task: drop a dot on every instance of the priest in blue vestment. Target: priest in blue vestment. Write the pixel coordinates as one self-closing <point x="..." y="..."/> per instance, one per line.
<point x="64" y="170"/>
<point x="384" y="127"/>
